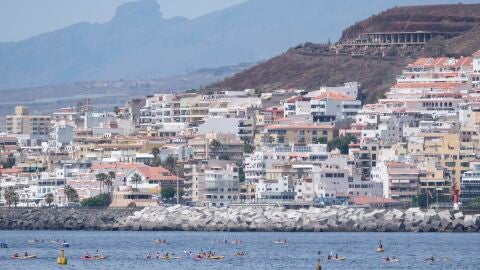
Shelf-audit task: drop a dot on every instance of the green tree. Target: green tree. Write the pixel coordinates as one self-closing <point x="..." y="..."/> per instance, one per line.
<point x="155" y="152"/>
<point x="321" y="140"/>
<point x="170" y="164"/>
<point x="168" y="192"/>
<point x="215" y="143"/>
<point x="101" y="178"/>
<point x="474" y="203"/>
<point x="109" y="180"/>
<point x="71" y="193"/>
<point x="136" y="178"/>
<point x="11" y="196"/>
<point x="422" y="201"/>
<point x="156" y="160"/>
<point x="341" y="143"/>
<point x="49" y="198"/>
<point x="101" y="200"/>
<point x="248" y="148"/>
<point x="9" y="162"/>
<point x="241" y="174"/>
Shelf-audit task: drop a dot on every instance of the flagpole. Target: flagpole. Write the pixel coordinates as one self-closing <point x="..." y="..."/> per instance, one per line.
<point x="176" y="169"/>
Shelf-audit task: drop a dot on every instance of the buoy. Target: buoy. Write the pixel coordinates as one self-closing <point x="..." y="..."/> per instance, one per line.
<point x="318" y="266"/>
<point x="62" y="259"/>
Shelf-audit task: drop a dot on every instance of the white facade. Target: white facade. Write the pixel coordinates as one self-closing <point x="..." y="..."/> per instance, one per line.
<point x="221" y="185"/>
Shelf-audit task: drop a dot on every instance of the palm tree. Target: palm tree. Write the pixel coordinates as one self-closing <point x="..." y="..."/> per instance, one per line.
<point x="49" y="198"/>
<point x="11" y="196"/>
<point x="110" y="179"/>
<point x="71" y="193"/>
<point x="101" y="177"/>
<point x="136" y="178"/>
<point x="156" y="161"/>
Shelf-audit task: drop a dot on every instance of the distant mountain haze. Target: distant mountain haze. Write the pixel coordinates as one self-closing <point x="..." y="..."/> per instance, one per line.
<point x="139" y="43"/>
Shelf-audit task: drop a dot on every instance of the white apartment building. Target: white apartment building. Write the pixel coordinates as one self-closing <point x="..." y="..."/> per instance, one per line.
<point x="254" y="167"/>
<point x="212" y="183"/>
<point x="222" y="185"/>
<point x="336" y="104"/>
<point x="400" y="180"/>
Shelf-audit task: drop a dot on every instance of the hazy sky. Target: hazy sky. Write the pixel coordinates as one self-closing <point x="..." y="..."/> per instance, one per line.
<point x="20" y="19"/>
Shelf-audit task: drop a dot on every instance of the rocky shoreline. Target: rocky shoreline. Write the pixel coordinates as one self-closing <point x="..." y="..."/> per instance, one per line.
<point x="183" y="218"/>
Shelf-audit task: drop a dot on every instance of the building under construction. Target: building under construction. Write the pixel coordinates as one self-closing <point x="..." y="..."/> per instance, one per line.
<point x="383" y="39"/>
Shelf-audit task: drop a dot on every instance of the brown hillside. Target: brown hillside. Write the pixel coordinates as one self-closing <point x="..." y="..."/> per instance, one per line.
<point x="296" y="70"/>
<point x="456" y="19"/>
<point x="311" y="66"/>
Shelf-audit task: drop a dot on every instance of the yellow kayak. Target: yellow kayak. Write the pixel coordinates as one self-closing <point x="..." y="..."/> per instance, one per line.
<point x="340" y="258"/>
<point x="215" y="257"/>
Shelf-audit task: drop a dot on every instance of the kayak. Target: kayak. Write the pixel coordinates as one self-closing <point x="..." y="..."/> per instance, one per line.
<point x="391" y="260"/>
<point x="35" y="241"/>
<point x="340" y="258"/>
<point x="93" y="258"/>
<point x="170" y="257"/>
<point x="239" y="255"/>
<point x="23" y="257"/>
<point x="214" y="257"/>
<point x="160" y="242"/>
<point x="380" y="250"/>
<point x="279" y="242"/>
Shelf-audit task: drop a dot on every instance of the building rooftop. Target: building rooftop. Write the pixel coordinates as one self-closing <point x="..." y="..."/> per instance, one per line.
<point x="333" y="95"/>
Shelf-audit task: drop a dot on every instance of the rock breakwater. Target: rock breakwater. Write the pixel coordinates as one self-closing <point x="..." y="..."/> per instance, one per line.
<point x="185" y="218"/>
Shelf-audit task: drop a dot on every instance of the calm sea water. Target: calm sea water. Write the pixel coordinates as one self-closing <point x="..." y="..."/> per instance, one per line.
<point x="126" y="250"/>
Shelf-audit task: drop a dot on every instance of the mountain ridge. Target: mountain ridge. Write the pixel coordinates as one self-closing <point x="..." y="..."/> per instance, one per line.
<point x="310" y="66"/>
<point x="138" y="43"/>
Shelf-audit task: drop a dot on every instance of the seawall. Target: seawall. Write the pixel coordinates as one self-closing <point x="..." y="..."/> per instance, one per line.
<point x="185" y="218"/>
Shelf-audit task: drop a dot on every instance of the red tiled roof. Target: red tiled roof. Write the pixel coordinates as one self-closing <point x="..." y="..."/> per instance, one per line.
<point x="13" y="170"/>
<point x="333" y="95"/>
<point x="295" y="98"/>
<point x="118" y="165"/>
<point x="442" y="61"/>
<point x="477" y="53"/>
<point x="420" y="61"/>
<point x="439" y="85"/>
<point x="156" y="173"/>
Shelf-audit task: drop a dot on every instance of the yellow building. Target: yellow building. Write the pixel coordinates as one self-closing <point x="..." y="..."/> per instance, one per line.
<point x="23" y="123"/>
<point x="452" y="153"/>
<point x="296" y="133"/>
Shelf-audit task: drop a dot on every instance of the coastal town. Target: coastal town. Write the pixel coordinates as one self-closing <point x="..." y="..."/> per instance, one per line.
<point x="416" y="146"/>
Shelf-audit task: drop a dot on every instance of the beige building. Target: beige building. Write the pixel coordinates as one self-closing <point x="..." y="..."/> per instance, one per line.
<point x="297" y="133"/>
<point x="454" y="152"/>
<point x="23" y="123"/>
